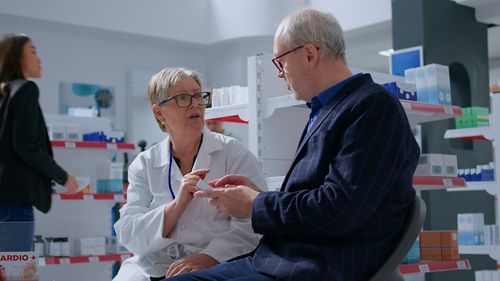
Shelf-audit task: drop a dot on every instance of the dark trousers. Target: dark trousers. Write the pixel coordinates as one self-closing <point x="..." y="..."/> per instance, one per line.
<point x="238" y="270"/>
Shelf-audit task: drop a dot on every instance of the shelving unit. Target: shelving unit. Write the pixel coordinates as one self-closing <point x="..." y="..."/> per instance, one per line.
<point x="81" y="215"/>
<point x="434" y="266"/>
<point x="113" y="197"/>
<point x="92" y="145"/>
<point x="51" y="261"/>
<point x="491" y="133"/>
<point x="436" y="183"/>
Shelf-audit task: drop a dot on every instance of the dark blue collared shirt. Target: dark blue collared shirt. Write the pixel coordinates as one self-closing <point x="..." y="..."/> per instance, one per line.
<point x="317" y="102"/>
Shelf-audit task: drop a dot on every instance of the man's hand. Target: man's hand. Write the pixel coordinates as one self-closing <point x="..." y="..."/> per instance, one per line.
<point x="191" y="263"/>
<point x="233" y="195"/>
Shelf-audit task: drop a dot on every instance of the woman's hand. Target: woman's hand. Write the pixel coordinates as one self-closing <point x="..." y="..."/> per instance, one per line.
<point x="71" y="185"/>
<point x="182" y="199"/>
<point x="188" y="187"/>
<point x="191" y="263"/>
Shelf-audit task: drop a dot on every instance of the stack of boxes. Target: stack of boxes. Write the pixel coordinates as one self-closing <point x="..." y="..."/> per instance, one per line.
<point x="402" y="91"/>
<point x="480" y="173"/>
<point x="439" y="245"/>
<point x="432" y="83"/>
<point x="64" y="132"/>
<point x="434" y="164"/>
<point x="474" y="116"/>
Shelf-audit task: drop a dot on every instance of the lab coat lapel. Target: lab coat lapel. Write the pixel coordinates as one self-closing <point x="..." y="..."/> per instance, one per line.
<point x="209" y="145"/>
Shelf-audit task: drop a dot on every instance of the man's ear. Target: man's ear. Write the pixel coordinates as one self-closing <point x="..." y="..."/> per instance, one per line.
<point x="312" y="52"/>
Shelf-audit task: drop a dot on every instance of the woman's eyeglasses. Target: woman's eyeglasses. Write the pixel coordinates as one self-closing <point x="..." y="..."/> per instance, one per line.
<point x="185" y="100"/>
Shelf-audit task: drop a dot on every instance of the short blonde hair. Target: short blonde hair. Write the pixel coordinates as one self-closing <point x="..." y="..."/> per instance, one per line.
<point x="164" y="80"/>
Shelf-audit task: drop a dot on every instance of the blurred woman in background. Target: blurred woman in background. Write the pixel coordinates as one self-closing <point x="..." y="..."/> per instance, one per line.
<point x="27" y="167"/>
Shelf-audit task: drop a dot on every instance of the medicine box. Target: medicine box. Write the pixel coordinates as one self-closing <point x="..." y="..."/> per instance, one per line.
<point x="56" y="131"/>
<point x="73" y="132"/>
<point x="90" y="246"/>
<point x="109" y="177"/>
<point x="430" y="245"/>
<point x="410" y="76"/>
<point x="439" y="245"/>
<point x="431" y="164"/>
<point x="421" y="85"/>
<point x="437" y="80"/>
<point x="413" y="255"/>
<point x="113" y="246"/>
<point x="450" y="165"/>
<point x="471" y="229"/>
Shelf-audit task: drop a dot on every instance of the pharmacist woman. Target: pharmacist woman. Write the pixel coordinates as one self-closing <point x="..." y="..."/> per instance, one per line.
<point x="27" y="167"/>
<point x="168" y="231"/>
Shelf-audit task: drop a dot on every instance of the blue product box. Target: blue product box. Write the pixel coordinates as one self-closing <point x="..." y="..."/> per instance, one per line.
<point x="392" y="87"/>
<point x="94" y="136"/>
<point x="109" y="186"/>
<point x="413" y="255"/>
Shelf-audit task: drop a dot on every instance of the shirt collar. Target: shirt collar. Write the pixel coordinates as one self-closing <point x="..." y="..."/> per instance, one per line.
<point x="326" y="96"/>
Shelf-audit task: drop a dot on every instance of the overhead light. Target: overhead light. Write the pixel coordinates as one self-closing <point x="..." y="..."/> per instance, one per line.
<point x="386" y="53"/>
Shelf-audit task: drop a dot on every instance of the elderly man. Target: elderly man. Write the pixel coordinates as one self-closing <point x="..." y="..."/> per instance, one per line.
<point x="343" y="202"/>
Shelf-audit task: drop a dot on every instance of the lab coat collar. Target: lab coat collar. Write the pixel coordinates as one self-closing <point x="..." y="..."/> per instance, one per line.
<point x="210" y="144"/>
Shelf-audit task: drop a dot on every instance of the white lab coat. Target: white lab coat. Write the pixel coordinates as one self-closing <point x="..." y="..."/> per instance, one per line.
<point x="201" y="228"/>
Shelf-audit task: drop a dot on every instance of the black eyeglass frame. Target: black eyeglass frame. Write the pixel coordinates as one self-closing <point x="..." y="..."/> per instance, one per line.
<point x="276" y="61"/>
<point x="205" y="96"/>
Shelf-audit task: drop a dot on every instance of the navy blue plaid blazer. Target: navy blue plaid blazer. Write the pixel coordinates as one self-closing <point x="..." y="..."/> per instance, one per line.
<point x="345" y="197"/>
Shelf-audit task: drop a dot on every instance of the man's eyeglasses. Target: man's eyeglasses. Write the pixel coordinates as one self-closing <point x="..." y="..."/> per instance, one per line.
<point x="185" y="100"/>
<point x="276" y="61"/>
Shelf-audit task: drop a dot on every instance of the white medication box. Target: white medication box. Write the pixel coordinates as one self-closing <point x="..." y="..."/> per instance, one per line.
<point x="89" y="246"/>
<point x="56" y="131"/>
<point x="437" y="79"/>
<point x="430" y="165"/>
<point x="421" y="85"/>
<point x="450" y="165"/>
<point x="471" y="229"/>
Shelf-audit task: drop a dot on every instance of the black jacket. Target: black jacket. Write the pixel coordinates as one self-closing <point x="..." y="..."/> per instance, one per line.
<point x="26" y="160"/>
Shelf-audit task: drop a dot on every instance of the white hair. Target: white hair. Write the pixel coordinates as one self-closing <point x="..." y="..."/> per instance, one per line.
<point x="313" y="26"/>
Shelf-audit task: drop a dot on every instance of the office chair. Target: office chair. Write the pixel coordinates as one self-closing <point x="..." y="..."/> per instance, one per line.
<point x="413" y="224"/>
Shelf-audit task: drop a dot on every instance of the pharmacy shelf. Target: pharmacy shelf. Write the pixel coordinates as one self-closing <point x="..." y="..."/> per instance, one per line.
<point x="419" y="112"/>
<point x="47" y="261"/>
<point x="91" y="145"/>
<point x="489" y="186"/>
<point x="434" y="266"/>
<point x="419" y="183"/>
<point x="492" y="250"/>
<point x="237" y="113"/>
<point x="116" y="197"/>
<point x="479" y="133"/>
<point x="271" y="104"/>
<point x="437" y="183"/>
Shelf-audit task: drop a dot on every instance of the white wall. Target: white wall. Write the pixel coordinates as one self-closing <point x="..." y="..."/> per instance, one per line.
<point x="495" y="70"/>
<point x="185" y="20"/>
<point x="353" y="14"/>
<point x="196" y="21"/>
<point x="74" y="54"/>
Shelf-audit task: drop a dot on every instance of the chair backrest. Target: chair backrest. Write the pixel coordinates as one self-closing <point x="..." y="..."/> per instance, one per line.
<point x="413" y="224"/>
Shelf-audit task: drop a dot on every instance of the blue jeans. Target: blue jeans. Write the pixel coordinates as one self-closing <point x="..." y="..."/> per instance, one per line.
<point x="16" y="227"/>
<point x="238" y="270"/>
